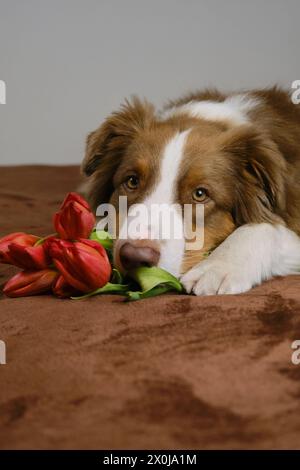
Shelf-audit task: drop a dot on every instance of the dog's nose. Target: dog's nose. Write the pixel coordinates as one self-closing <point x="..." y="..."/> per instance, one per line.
<point x="133" y="255"/>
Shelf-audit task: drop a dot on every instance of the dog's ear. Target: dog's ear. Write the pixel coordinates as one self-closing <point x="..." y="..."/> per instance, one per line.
<point x="106" y="145"/>
<point x="260" y="171"/>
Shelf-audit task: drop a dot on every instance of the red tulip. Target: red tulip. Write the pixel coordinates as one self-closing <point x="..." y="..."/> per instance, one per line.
<point x="19" y="238"/>
<point x="28" y="257"/>
<point x="30" y="283"/>
<point x="83" y="264"/>
<point x="62" y="289"/>
<point x="74" y="219"/>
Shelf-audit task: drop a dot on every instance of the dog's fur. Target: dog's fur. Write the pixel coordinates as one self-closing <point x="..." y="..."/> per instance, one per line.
<point x="242" y="148"/>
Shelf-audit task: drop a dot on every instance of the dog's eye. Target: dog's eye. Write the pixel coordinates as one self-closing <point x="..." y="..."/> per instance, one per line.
<point x="200" y="194"/>
<point x="132" y="182"/>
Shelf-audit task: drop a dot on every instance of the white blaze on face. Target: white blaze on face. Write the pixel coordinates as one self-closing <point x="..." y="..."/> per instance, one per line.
<point x="168" y="228"/>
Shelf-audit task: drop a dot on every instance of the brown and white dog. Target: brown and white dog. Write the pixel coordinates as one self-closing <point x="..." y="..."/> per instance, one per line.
<point x="236" y="154"/>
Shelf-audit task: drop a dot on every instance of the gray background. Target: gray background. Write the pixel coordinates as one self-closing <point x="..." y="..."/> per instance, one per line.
<point x="68" y="63"/>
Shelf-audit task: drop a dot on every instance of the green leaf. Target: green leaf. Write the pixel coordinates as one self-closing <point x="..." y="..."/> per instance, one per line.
<point x="148" y="278"/>
<point x="116" y="277"/>
<point x="109" y="288"/>
<point x="138" y="295"/>
<point x="153" y="281"/>
<point x="103" y="237"/>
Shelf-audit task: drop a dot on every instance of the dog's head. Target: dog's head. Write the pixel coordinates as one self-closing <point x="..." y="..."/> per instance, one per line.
<point x="234" y="173"/>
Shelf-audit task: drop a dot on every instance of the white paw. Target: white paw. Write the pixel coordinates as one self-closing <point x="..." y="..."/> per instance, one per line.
<point x="213" y="276"/>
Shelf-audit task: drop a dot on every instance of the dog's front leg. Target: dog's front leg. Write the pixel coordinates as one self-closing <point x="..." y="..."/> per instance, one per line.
<point x="251" y="254"/>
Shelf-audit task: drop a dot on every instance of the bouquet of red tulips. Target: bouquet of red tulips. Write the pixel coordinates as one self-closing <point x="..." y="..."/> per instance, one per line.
<point x="75" y="261"/>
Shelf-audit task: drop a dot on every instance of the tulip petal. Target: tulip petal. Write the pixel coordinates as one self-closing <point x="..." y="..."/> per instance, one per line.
<point x="33" y="257"/>
<point x="62" y="289"/>
<point x="75" y="197"/>
<point x="83" y="264"/>
<point x="69" y="278"/>
<point x="74" y="219"/>
<point x="20" y="238"/>
<point x="30" y="283"/>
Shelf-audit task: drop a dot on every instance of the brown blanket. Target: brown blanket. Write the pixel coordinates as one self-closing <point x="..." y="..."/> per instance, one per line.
<point x="174" y="371"/>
